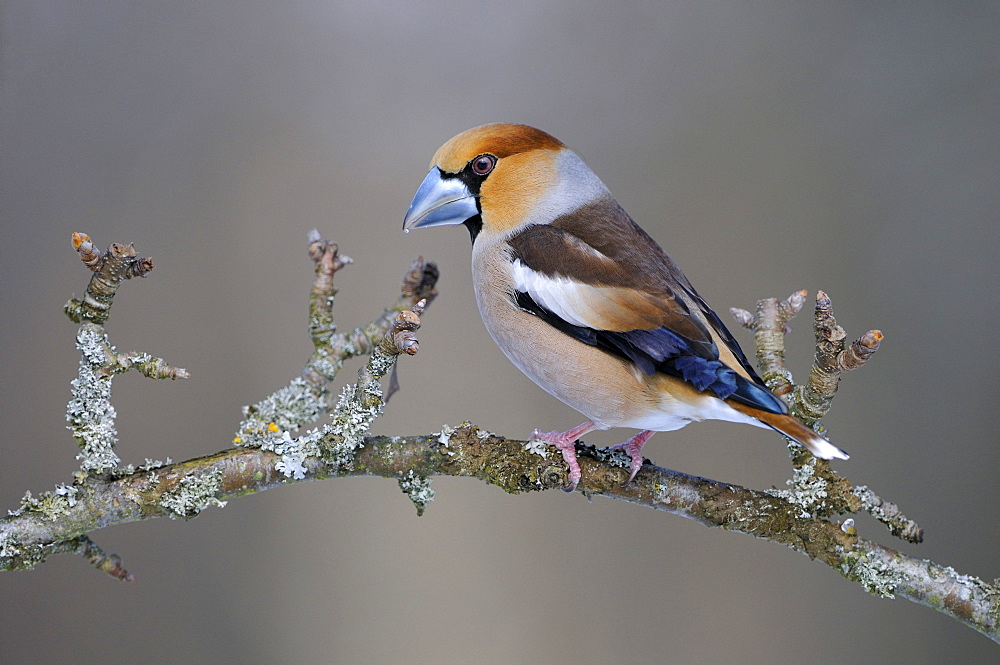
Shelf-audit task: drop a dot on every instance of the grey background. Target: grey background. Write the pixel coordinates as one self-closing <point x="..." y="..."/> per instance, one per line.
<point x="768" y="146"/>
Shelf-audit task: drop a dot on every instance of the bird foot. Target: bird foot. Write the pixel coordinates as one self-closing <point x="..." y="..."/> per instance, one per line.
<point x="565" y="442"/>
<point x="633" y="448"/>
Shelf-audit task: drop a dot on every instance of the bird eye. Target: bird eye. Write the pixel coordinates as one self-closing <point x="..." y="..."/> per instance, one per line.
<point x="483" y="164"/>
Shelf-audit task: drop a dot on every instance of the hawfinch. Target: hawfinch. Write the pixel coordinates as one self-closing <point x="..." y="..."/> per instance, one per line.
<point x="584" y="301"/>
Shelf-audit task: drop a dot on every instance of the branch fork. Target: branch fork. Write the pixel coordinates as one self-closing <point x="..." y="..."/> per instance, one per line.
<point x="58" y="521"/>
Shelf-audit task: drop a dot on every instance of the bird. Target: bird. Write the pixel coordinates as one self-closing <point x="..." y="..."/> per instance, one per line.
<point x="585" y="302"/>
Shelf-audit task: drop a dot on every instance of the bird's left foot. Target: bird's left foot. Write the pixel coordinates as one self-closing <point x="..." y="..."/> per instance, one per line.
<point x="566" y="443"/>
<point x="633" y="448"/>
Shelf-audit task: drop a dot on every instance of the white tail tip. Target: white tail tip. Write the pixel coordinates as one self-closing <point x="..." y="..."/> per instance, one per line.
<point x="823" y="449"/>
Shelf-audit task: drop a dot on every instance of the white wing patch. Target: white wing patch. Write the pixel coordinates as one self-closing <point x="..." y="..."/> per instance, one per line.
<point x="564" y="297"/>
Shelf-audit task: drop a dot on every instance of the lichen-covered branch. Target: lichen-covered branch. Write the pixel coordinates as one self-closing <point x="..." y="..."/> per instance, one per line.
<point x="270" y="451"/>
<point x="267" y="427"/>
<point x="812" y="401"/>
<point x="889" y="514"/>
<point x="90" y="413"/>
<point x="306" y="398"/>
<point x="792" y="519"/>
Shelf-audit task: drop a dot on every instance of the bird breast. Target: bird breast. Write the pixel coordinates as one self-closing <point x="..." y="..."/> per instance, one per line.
<point x="605" y="388"/>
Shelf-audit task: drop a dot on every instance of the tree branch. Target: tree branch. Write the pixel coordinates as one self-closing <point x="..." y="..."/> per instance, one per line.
<point x="267" y="455"/>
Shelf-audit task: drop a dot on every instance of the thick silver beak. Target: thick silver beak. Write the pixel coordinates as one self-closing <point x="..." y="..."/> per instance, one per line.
<point x="440" y="201"/>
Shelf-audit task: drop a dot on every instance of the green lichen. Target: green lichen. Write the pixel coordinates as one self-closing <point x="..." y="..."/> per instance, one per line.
<point x="418" y="489"/>
<point x="537" y="447"/>
<point x="9" y="548"/>
<point x="379" y="364"/>
<point x="749" y="515"/>
<point x="193" y="494"/>
<point x="324" y="364"/>
<point x="352" y="419"/>
<point x="808" y="491"/>
<point x="287" y="409"/>
<point x="444" y="436"/>
<point x="90" y="414"/>
<point x="269" y="423"/>
<point x="611" y="456"/>
<point x="150" y="464"/>
<point x="294" y="452"/>
<point x="15" y="555"/>
<point x="447" y="431"/>
<point x="51" y="505"/>
<point x="357" y="408"/>
<point x="877" y="576"/>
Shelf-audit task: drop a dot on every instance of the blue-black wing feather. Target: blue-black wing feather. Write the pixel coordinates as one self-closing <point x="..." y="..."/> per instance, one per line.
<point x="661" y="350"/>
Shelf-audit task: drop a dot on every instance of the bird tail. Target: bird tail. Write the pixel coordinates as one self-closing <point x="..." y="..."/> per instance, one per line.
<point x="793" y="429"/>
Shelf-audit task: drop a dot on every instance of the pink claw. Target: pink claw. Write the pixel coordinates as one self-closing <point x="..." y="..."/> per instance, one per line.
<point x="633" y="448"/>
<point x="565" y="442"/>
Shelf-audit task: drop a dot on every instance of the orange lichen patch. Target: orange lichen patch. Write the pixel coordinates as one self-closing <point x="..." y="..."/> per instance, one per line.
<point x="79" y="239"/>
<point x="501" y="140"/>
<point x="871" y="338"/>
<point x="90" y="255"/>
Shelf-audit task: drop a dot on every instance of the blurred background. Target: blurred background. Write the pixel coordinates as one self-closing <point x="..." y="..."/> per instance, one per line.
<point x="769" y="147"/>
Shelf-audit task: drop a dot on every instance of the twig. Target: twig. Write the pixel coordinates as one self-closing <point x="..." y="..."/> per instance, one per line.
<point x="769" y="326"/>
<point x="95" y="556"/>
<point x="110" y="269"/>
<point x="812" y="401"/>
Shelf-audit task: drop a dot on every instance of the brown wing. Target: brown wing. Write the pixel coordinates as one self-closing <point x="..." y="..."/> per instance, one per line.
<point x="598" y="277"/>
<point x="597" y="263"/>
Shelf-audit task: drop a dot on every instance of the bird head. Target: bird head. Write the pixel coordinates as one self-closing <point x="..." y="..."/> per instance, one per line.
<point x="500" y="178"/>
